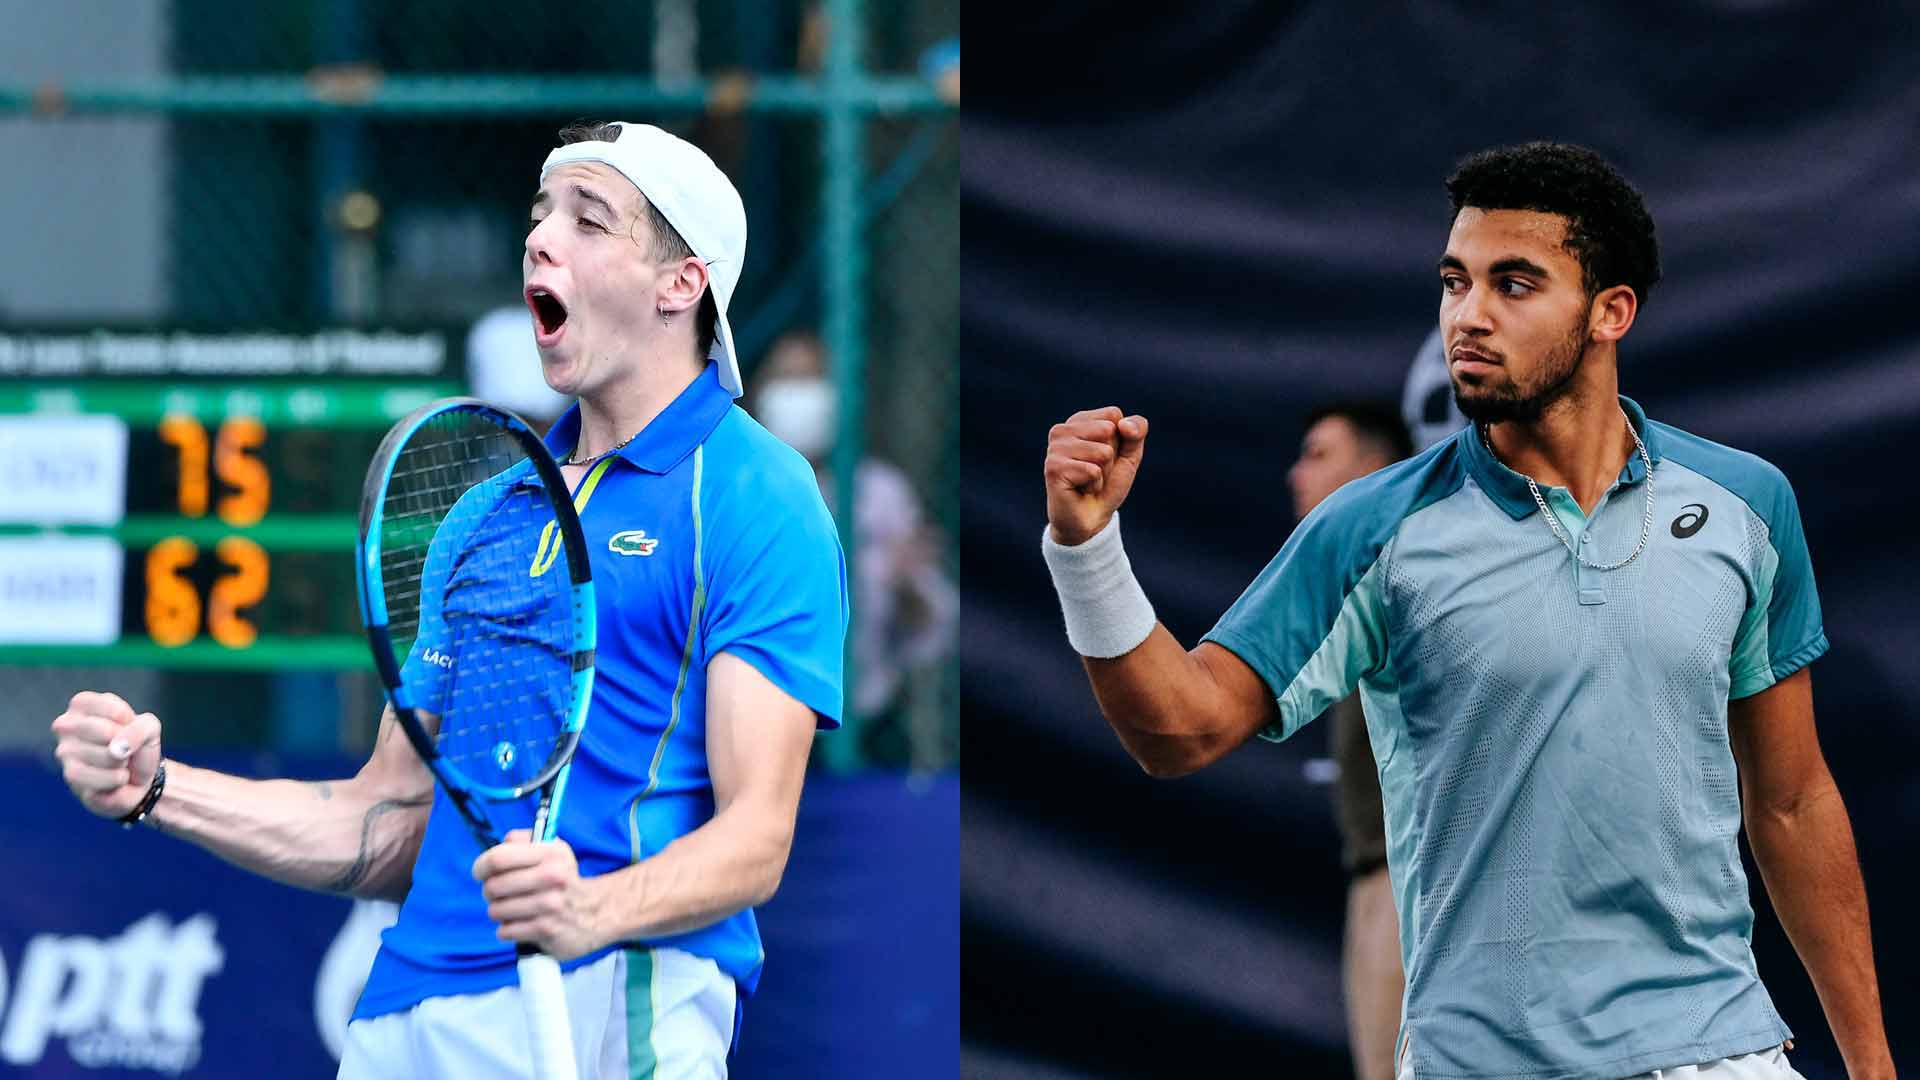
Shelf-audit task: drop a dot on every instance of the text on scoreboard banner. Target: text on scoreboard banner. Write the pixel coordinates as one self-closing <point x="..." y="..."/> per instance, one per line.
<point x="209" y="508"/>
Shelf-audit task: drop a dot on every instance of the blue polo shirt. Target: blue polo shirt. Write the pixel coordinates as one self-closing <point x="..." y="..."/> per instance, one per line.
<point x="707" y="535"/>
<point x="1562" y="806"/>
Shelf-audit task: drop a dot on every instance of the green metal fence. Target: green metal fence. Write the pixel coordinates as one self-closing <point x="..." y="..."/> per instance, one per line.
<point x="334" y="165"/>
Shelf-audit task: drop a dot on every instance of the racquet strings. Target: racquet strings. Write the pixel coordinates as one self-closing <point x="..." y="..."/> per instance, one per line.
<point x="466" y="519"/>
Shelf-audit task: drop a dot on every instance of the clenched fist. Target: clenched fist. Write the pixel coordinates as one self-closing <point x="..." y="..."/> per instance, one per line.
<point x="1092" y="459"/>
<point x="107" y="754"/>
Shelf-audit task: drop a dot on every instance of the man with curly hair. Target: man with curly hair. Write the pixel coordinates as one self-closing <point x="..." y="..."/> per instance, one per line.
<point x="1582" y="640"/>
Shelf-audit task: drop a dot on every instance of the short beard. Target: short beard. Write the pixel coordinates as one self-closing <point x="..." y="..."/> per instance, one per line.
<point x="1507" y="403"/>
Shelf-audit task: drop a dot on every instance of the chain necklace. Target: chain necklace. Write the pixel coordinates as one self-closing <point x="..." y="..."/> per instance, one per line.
<point x="1646" y="524"/>
<point x="612" y="449"/>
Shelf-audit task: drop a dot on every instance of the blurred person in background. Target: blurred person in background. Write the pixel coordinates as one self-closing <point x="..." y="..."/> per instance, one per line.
<point x="1426" y="399"/>
<point x="720" y="655"/>
<point x="940" y="65"/>
<point x="906" y="610"/>
<point x="1345" y="441"/>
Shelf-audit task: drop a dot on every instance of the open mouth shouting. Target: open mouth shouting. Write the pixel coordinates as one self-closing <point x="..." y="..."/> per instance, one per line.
<point x="549" y="314"/>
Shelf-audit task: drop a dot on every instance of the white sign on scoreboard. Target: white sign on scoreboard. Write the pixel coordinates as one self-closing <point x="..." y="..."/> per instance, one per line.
<point x="63" y="470"/>
<point x="59" y="590"/>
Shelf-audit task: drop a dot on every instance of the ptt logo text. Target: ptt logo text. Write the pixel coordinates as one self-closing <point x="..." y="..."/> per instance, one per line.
<point x="128" y="1002"/>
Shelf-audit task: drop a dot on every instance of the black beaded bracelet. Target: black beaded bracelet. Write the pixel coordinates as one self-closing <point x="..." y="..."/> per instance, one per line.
<point x="139" y="813"/>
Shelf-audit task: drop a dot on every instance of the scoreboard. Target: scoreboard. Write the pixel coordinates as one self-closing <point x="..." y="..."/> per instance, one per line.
<point x="175" y="499"/>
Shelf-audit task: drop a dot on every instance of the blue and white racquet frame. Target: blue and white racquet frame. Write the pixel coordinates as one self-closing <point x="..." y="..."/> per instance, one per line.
<point x="477" y="597"/>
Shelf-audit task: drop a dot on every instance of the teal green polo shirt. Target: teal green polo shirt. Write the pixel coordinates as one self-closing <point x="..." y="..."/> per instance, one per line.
<point x="1561" y="800"/>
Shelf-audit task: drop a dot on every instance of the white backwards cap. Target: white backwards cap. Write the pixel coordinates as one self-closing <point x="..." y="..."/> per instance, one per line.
<point x="695" y="197"/>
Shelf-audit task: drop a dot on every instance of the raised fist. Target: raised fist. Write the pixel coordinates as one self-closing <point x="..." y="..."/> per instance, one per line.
<point x="107" y="753"/>
<point x="1092" y="459"/>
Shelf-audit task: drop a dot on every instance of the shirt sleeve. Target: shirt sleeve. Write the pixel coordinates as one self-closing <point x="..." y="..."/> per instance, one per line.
<point x="426" y="672"/>
<point x="776" y="582"/>
<point x="1313" y="623"/>
<point x="1781" y="631"/>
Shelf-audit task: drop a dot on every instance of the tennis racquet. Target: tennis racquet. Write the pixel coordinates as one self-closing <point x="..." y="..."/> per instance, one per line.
<point x="473" y="577"/>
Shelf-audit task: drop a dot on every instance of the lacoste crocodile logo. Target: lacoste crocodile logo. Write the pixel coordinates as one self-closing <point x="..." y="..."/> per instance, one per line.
<point x="632" y="542"/>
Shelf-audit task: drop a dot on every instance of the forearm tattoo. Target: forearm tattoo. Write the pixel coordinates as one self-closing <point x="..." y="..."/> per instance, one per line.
<point x="363" y="862"/>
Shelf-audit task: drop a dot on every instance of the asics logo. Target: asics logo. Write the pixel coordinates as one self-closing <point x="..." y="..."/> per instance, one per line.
<point x="1693" y="516"/>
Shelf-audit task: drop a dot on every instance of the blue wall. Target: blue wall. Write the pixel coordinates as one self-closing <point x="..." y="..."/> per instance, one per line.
<point x="134" y="948"/>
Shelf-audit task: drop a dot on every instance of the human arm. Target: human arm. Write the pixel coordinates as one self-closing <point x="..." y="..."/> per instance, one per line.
<point x="1177" y="710"/>
<point x="1803" y="844"/>
<point x="356" y="836"/>
<point x="758" y="739"/>
<point x="1173" y="709"/>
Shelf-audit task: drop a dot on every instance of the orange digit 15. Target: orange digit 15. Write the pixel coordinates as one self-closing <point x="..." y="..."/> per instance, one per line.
<point x="237" y="469"/>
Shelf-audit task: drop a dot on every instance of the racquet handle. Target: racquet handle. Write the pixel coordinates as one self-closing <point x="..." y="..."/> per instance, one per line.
<point x="547" y="1027"/>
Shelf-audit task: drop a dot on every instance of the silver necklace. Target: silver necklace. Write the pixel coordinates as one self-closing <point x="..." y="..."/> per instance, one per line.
<point x="1646" y="524"/>
<point x="619" y="446"/>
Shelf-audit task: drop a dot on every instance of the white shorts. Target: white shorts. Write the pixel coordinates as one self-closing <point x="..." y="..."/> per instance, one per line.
<point x="658" y="1013"/>
<point x="1770" y="1064"/>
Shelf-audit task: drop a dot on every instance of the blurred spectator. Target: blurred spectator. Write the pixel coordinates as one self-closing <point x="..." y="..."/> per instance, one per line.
<point x="940" y="65"/>
<point x="1426" y="402"/>
<point x="810" y="54"/>
<point x="905" y="610"/>
<point x="503" y="367"/>
<point x="1346" y="440"/>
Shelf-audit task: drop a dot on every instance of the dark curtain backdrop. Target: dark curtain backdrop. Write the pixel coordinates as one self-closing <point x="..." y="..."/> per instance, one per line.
<point x="1223" y="214"/>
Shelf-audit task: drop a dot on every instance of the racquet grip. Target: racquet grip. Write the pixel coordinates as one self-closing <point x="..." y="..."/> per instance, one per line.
<point x="547" y="1028"/>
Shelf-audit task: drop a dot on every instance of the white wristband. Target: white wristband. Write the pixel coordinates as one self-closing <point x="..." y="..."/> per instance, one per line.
<point x="1107" y="612"/>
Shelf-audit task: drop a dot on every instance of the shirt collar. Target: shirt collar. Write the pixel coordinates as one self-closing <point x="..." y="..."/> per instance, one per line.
<point x="669" y="437"/>
<point x="1509" y="488"/>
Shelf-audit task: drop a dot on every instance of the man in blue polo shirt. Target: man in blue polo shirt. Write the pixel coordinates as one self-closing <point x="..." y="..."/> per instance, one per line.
<point x="1581" y="637"/>
<point x="723" y="614"/>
